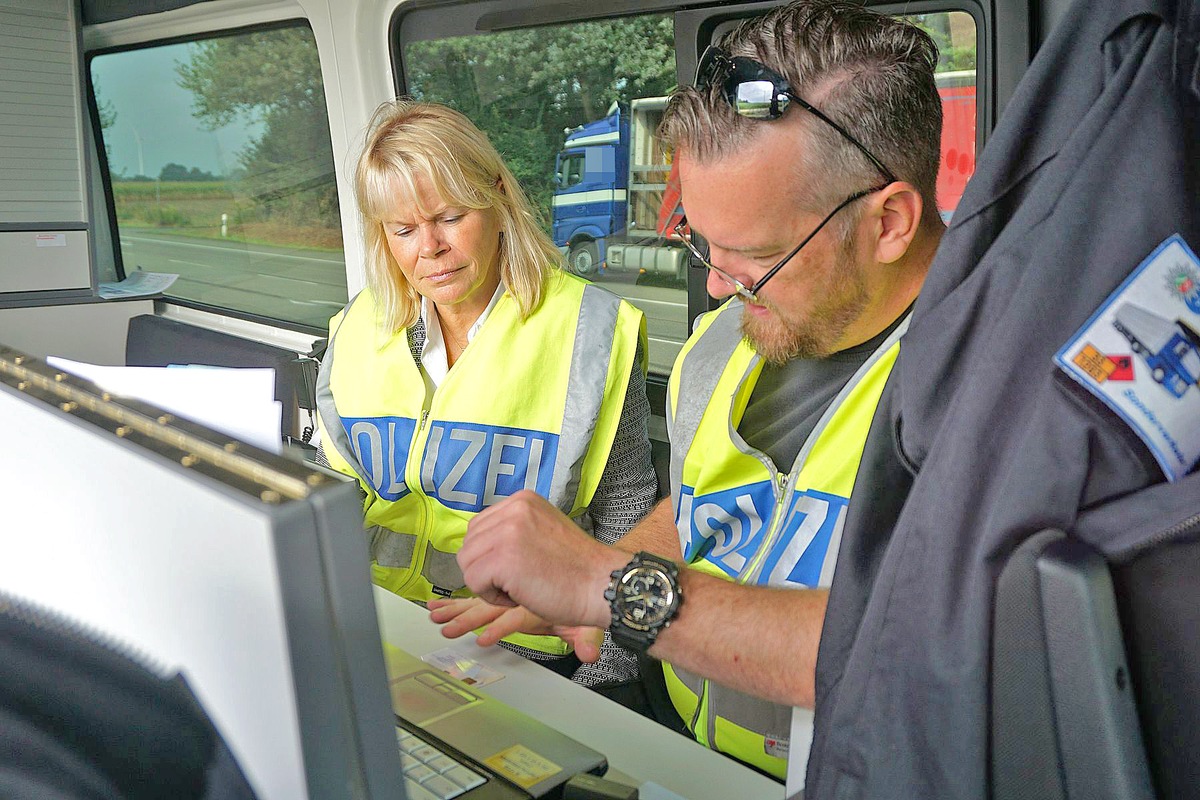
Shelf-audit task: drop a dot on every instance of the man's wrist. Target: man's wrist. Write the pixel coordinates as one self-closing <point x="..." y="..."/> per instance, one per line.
<point x="599" y="609"/>
<point x="644" y="597"/>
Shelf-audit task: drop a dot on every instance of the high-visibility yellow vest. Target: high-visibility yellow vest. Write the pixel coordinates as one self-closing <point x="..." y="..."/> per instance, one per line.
<point x="742" y="520"/>
<point x="530" y="404"/>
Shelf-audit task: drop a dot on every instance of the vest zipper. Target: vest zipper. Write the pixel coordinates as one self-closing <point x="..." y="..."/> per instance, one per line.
<point x="783" y="482"/>
<point x="422" y="534"/>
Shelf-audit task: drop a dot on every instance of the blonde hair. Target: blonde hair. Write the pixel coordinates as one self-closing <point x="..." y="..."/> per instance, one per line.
<point x="407" y="140"/>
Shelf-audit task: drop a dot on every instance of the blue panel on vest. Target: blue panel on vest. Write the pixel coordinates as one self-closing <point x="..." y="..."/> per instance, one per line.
<point x="381" y="445"/>
<point x="800" y="552"/>
<point x="470" y="467"/>
<point x="725" y="528"/>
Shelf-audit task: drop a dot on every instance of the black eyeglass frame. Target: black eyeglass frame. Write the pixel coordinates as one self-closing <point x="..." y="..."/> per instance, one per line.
<point x="751" y="293"/>
<point x="734" y="71"/>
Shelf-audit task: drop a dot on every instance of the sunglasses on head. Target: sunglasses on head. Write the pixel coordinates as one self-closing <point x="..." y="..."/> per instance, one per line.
<point x="755" y="91"/>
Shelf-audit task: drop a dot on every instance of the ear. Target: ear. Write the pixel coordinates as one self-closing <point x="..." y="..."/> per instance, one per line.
<point x="897" y="210"/>
<point x="500" y="185"/>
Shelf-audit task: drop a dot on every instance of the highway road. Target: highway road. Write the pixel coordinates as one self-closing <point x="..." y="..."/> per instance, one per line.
<point x="304" y="286"/>
<point x="309" y="286"/>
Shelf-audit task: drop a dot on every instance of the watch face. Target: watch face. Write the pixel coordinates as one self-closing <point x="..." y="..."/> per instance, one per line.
<point x="645" y="597"/>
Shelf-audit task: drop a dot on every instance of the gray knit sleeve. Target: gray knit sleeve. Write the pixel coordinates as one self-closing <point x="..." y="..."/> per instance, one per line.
<point x="626" y="493"/>
<point x="628" y="487"/>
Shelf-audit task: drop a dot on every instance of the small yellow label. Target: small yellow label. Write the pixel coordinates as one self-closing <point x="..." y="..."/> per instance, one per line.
<point x="1097" y="365"/>
<point x="522" y="766"/>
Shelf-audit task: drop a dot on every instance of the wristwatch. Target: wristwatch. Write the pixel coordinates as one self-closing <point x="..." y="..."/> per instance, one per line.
<point x="644" y="596"/>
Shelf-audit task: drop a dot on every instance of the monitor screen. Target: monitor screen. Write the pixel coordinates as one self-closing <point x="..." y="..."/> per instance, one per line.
<point x="246" y="571"/>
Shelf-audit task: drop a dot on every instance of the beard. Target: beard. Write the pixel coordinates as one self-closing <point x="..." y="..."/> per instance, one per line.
<point x="843" y="296"/>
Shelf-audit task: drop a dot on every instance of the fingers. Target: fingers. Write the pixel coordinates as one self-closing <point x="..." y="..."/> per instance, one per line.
<point x="460" y="616"/>
<point x="586" y="641"/>
<point x="514" y="620"/>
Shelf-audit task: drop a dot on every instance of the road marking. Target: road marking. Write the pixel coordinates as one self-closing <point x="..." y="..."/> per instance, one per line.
<point x="290" y="279"/>
<point x="333" y="303"/>
<point x="174" y="243"/>
<point x="639" y="300"/>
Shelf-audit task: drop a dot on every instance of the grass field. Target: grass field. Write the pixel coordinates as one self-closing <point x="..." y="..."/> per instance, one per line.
<point x="195" y="209"/>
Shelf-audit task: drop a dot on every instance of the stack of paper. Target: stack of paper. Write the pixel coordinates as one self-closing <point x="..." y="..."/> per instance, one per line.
<point x="237" y="402"/>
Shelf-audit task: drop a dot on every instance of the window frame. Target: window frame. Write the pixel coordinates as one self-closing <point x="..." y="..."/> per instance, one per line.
<point x="100" y="157"/>
<point x="695" y="26"/>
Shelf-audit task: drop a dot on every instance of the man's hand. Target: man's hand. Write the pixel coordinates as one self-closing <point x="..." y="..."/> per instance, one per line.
<point x="524" y="551"/>
<point x="459" y="616"/>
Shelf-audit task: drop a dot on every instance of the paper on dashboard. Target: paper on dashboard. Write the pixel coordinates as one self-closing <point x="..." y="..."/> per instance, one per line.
<point x="237" y="402"/>
<point x="137" y="284"/>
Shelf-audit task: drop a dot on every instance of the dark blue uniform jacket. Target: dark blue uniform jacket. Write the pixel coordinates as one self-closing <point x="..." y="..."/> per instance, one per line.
<point x="1094" y="163"/>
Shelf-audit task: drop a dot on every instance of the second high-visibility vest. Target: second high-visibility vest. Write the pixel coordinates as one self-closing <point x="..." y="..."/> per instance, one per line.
<point x="530" y="404"/>
<point x="741" y="519"/>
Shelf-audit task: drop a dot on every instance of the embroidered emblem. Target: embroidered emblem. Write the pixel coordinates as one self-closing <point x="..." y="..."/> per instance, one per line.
<point x="1156" y="389"/>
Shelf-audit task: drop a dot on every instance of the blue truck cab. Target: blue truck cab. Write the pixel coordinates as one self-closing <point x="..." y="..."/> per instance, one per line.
<point x="591" y="174"/>
<point x="1171" y="350"/>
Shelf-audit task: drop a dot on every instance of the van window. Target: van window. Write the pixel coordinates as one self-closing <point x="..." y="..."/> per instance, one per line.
<point x="596" y="87"/>
<point x="573" y="108"/>
<point x="955" y="35"/>
<point x="221" y="169"/>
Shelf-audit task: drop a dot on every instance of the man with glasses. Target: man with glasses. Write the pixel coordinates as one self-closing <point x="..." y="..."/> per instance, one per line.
<point x="808" y="156"/>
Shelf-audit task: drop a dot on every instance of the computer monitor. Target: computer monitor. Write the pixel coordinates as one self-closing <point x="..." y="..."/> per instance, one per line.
<point x="245" y="570"/>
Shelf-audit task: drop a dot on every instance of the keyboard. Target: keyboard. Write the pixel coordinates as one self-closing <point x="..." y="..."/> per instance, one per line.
<point x="431" y="773"/>
<point x="459" y="744"/>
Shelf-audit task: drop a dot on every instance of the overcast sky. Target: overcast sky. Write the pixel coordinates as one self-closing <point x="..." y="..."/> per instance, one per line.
<point x="142" y="87"/>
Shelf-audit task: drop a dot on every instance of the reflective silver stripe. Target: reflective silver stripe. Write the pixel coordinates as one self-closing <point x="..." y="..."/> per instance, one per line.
<point x="690" y="680"/>
<point x="693" y="683"/>
<point x="395" y="550"/>
<point x="706" y="362"/>
<point x="765" y="718"/>
<point x="585" y="391"/>
<point x="815" y="435"/>
<point x="327" y="408"/>
<point x="441" y="570"/>
<point x="392" y="549"/>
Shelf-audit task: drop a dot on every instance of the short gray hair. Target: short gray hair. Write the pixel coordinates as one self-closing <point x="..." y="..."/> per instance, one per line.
<point x="870" y="73"/>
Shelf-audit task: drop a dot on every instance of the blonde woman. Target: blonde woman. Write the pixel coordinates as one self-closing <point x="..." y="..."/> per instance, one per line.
<point x="473" y="367"/>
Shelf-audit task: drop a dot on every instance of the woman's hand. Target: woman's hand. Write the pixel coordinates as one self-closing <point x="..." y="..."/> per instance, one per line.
<point x="459" y="616"/>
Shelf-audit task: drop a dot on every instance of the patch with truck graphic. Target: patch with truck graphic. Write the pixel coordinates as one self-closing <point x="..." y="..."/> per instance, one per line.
<point x="1140" y="354"/>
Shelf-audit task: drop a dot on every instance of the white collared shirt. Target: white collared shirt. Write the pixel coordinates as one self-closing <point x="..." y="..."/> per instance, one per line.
<point x="433" y="357"/>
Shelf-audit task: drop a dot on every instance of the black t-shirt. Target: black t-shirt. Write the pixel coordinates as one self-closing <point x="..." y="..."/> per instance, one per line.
<point x="787" y="401"/>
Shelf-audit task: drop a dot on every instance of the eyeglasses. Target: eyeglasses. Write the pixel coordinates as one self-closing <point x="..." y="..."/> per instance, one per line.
<point x="755" y="91"/>
<point x="751" y="293"/>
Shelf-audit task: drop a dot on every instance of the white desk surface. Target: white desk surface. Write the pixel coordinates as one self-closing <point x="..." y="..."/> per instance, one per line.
<point x="635" y="746"/>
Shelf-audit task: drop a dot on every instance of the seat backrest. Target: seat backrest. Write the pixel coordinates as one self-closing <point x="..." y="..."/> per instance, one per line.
<point x="1158" y="598"/>
<point x="155" y="341"/>
<point x="1064" y="722"/>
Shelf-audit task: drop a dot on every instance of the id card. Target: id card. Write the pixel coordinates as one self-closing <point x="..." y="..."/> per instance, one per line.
<point x="1140" y="354"/>
<point x="456" y="663"/>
